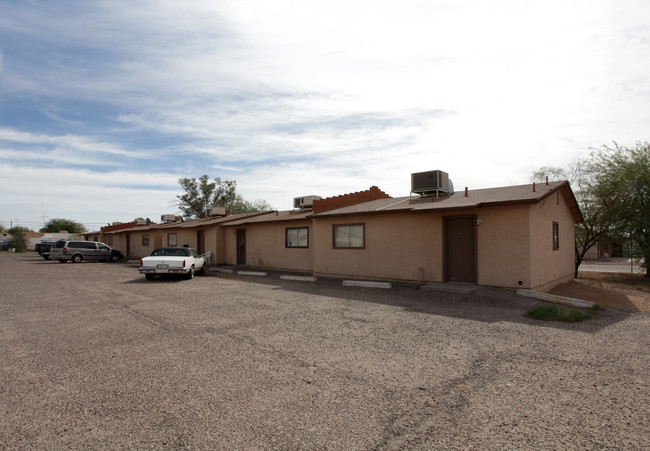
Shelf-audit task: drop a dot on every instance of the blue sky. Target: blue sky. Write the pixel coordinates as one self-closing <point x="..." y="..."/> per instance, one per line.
<point x="105" y="104"/>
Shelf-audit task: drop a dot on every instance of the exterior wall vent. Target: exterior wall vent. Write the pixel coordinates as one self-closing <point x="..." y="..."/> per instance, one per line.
<point x="431" y="183"/>
<point x="305" y="202"/>
<point x="217" y="211"/>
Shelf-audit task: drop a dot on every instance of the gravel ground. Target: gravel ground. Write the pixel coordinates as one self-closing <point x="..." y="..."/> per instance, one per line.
<point x="93" y="356"/>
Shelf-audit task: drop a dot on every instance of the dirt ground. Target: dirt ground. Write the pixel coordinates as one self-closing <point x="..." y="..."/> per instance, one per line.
<point x="93" y="356"/>
<point x="629" y="292"/>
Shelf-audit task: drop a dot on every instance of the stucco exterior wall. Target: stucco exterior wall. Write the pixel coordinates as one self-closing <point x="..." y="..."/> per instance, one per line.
<point x="230" y="245"/>
<point x="265" y="247"/>
<point x="397" y="247"/>
<point x="211" y="243"/>
<point x="117" y="241"/>
<point x="138" y="250"/>
<point x="551" y="267"/>
<point x="503" y="252"/>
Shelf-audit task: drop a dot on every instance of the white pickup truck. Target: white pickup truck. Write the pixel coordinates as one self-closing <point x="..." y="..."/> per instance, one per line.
<point x="173" y="260"/>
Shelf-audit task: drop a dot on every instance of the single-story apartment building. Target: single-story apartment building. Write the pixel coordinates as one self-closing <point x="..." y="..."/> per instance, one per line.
<point x="515" y="236"/>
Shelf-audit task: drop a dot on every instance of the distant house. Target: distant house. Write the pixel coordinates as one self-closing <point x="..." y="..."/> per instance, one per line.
<point x="37" y="237"/>
<point x="516" y="236"/>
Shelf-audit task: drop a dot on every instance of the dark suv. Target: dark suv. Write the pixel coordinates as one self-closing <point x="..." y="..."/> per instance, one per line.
<point x="77" y="251"/>
<point x="43" y="249"/>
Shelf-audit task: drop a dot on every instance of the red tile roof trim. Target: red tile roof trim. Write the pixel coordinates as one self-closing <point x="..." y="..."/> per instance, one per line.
<point x="115" y="227"/>
<point x="344" y="200"/>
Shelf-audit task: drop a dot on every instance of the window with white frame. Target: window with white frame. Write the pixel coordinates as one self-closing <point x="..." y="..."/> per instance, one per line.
<point x="297" y="237"/>
<point x="145" y="239"/>
<point x="349" y="236"/>
<point x="171" y="239"/>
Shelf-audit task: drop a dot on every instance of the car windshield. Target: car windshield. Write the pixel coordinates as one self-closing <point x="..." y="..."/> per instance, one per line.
<point x="171" y="252"/>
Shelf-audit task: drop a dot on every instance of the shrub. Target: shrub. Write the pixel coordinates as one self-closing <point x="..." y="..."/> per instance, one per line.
<point x="556" y="313"/>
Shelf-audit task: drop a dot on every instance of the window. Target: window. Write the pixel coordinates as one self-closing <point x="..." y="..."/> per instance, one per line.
<point x="297" y="237"/>
<point x="110" y="240"/>
<point x="556" y="236"/>
<point x="145" y="239"/>
<point x="350" y="236"/>
<point x="102" y="247"/>
<point x="171" y="239"/>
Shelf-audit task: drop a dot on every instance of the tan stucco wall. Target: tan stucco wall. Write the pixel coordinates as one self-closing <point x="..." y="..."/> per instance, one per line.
<point x="230" y="244"/>
<point x="503" y="254"/>
<point x="119" y="242"/>
<point x="514" y="246"/>
<point x="211" y="243"/>
<point x="398" y="247"/>
<point x="265" y="247"/>
<point x="551" y="267"/>
<point x="410" y="247"/>
<point x="137" y="249"/>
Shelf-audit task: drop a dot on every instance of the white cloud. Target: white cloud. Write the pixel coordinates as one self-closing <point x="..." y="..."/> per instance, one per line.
<point x="293" y="98"/>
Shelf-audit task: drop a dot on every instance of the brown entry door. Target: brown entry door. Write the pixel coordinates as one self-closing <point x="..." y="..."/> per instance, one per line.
<point x="241" y="246"/>
<point x="460" y="250"/>
<point x="200" y="241"/>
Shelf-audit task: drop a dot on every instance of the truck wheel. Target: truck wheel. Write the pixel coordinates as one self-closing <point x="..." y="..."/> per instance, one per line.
<point x="190" y="275"/>
<point x="149" y="276"/>
<point x="76" y="258"/>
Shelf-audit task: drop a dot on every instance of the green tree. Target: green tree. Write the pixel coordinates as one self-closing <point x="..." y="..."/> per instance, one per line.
<point x="553" y="173"/>
<point x="599" y="214"/>
<point x="202" y="194"/>
<point x="623" y="180"/>
<point x="241" y="205"/>
<point x="18" y="238"/>
<point x="57" y="225"/>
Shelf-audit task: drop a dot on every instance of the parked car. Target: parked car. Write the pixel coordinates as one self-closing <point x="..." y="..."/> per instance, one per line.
<point x="173" y="260"/>
<point x="43" y="248"/>
<point x="77" y="251"/>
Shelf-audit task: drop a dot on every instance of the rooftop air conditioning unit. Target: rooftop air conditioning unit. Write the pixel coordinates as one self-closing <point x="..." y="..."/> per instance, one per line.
<point x="305" y="202"/>
<point x="217" y="211"/>
<point x="431" y="182"/>
<point x="168" y="218"/>
<point x="141" y="222"/>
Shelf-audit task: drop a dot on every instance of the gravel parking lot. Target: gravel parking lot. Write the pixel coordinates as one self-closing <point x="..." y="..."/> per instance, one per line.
<point x="94" y="356"/>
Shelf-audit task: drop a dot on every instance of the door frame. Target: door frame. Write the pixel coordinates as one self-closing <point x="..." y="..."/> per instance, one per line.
<point x="200" y="241"/>
<point x="446" y="250"/>
<point x="240" y="244"/>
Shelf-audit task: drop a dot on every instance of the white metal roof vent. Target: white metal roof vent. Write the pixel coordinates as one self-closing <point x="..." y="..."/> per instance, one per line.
<point x="305" y="202"/>
<point x="431" y="183"/>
